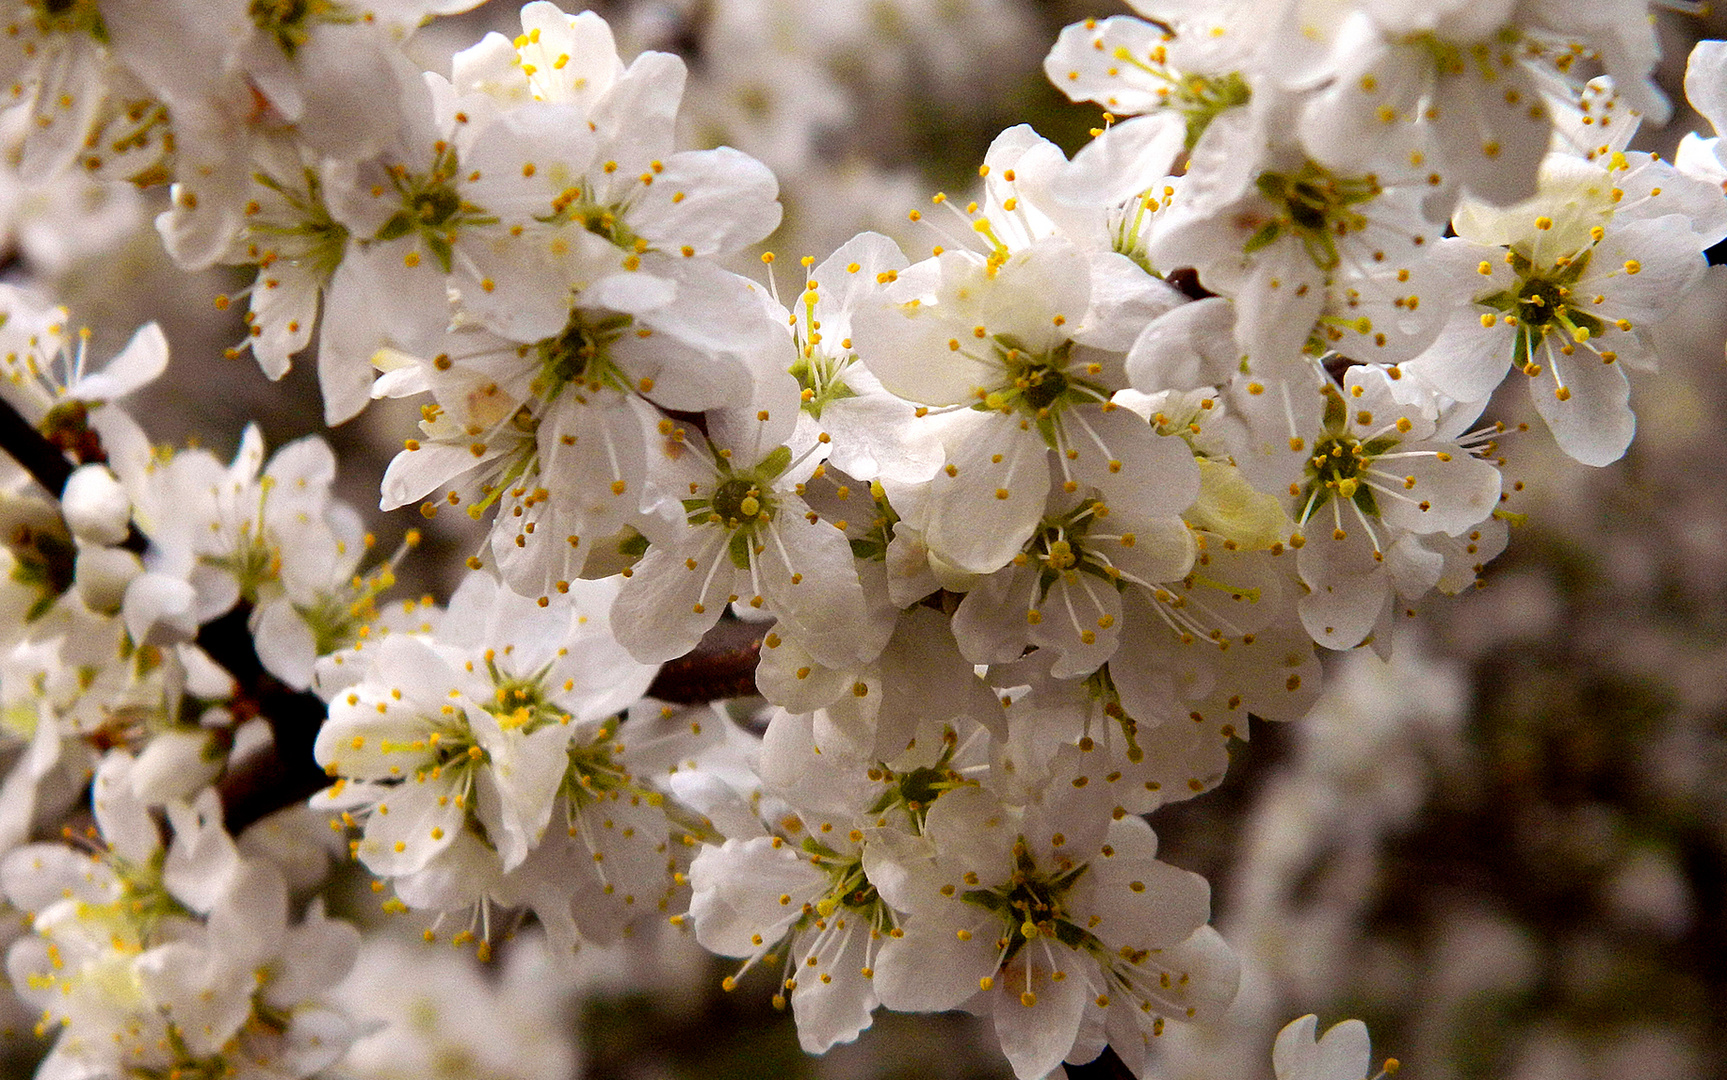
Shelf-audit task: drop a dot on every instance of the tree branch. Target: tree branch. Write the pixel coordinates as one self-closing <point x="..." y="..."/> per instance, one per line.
<point x="32" y="450"/>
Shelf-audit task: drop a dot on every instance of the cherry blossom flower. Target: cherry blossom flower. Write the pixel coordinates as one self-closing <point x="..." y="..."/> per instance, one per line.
<point x="1563" y="296"/>
<point x="173" y="959"/>
<point x="750" y="538"/>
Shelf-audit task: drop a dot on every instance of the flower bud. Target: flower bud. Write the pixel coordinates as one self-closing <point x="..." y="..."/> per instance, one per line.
<point x="102" y="575"/>
<point x="96" y="507"/>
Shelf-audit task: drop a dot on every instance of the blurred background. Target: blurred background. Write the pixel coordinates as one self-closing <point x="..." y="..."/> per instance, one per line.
<point x="1506" y="852"/>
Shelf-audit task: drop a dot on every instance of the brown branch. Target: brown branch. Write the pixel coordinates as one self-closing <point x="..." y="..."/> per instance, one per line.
<point x="285" y="773"/>
<point x="722" y="666"/>
<point x="31" y="449"/>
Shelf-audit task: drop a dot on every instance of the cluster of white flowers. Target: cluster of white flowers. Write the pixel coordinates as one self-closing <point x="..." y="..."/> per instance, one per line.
<point x="173" y="962"/>
<point x="1030" y="526"/>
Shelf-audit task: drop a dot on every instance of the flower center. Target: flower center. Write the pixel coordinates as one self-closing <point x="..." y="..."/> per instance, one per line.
<point x="339" y="618"/>
<point x="307" y="236"/>
<point x="71" y="16"/>
<point x="1315" y="206"/>
<point x="144" y="898"/>
<point x="1541" y="302"/>
<point x="1030" y="903"/>
<point x="1198" y="98"/>
<point x="577" y="354"/>
<point x="432" y="208"/>
<point x="1043" y="386"/>
<point x="578" y="206"/>
<point x="1335" y="470"/>
<point x="254" y="560"/>
<point x="290" y="22"/>
<point x="521" y="704"/>
<point x="1060" y="547"/>
<point x="454" y="750"/>
<point x="738" y="501"/>
<point x="1201" y="99"/>
<point x="435" y="206"/>
<point x="593" y="772"/>
<point x="1037" y="383"/>
<point x="847" y="885"/>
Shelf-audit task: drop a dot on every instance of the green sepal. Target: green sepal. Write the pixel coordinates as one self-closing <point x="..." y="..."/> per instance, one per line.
<point x="441" y="251"/>
<point x="634" y="546"/>
<point x="775" y="463"/>
<point x="399" y="225"/>
<point x="1262" y="237"/>
<point x="738" y="548"/>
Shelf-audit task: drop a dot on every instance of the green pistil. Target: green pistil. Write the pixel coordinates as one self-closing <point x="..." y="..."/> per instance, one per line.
<point x="432" y="208"/>
<point x="1315" y="206"/>
<point x="817" y="373"/>
<point x="739" y="504"/>
<point x="819" y="380"/>
<point x="740" y="500"/>
<point x="578" y="354"/>
<point x="1128" y="232"/>
<point x="291" y="22"/>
